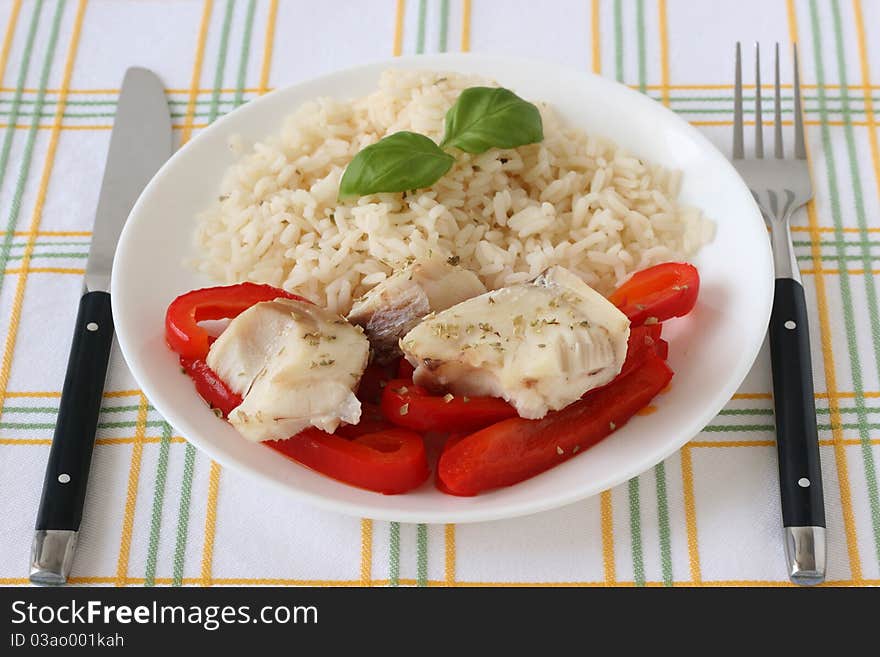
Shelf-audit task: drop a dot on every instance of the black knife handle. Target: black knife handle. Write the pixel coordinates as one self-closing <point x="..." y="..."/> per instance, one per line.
<point x="71" y="454"/>
<point x="797" y="439"/>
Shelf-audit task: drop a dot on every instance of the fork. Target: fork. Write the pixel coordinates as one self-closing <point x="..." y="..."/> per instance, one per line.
<point x="781" y="186"/>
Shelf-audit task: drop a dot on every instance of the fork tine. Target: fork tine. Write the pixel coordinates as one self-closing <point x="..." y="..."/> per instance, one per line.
<point x="800" y="150"/>
<point x="778" y="150"/>
<point x="738" y="109"/>
<point x="759" y="121"/>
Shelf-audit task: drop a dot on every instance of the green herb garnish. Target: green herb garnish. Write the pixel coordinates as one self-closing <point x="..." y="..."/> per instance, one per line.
<point x="481" y="118"/>
<point x="489" y="117"/>
<point x="397" y="163"/>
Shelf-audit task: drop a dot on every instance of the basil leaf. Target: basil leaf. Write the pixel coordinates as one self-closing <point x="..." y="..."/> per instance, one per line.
<point x="489" y="117"/>
<point x="397" y="163"/>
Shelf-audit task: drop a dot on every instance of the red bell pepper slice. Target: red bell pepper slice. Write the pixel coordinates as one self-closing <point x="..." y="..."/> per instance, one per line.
<point x="182" y="330"/>
<point x="516" y="449"/>
<point x="426" y="412"/>
<point x="373" y="381"/>
<point x="390" y="462"/>
<point x="210" y="386"/>
<point x="661" y="292"/>
<point x="662" y="348"/>
<point x="405" y="370"/>
<point x="642" y="344"/>
<point x="411" y="406"/>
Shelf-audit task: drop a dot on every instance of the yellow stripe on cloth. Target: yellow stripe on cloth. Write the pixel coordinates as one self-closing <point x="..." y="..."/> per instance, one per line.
<point x="214" y="475"/>
<point x="466" y="25"/>
<point x="101" y="126"/>
<point x="268" y="581"/>
<point x="268" y="46"/>
<point x="366" y="523"/>
<point x="44" y="270"/>
<point x="664" y="51"/>
<point x="196" y="72"/>
<point x="210" y="524"/>
<point x="869" y="101"/>
<point x="366" y="552"/>
<point x="449" y="570"/>
<point x="399" y="14"/>
<point x="134" y="475"/>
<point x="690" y="514"/>
<point x="649" y="87"/>
<point x="37" y="215"/>
<point x="607" y="518"/>
<point x="100" y="441"/>
<point x="11" y="24"/>
<point x="597" y="48"/>
<point x="769" y="123"/>
<point x="54" y="233"/>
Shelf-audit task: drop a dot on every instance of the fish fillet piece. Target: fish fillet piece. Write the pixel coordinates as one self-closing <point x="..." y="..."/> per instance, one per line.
<point x="394" y="306"/>
<point x="539" y="345"/>
<point x="294" y="364"/>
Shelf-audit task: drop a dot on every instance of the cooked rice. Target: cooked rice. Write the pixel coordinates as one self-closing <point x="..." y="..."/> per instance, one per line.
<point x="574" y="200"/>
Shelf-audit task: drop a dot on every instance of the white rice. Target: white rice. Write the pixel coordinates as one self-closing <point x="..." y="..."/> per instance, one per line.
<point x="574" y="200"/>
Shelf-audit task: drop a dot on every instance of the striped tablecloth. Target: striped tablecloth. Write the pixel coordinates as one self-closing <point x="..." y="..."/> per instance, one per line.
<point x="159" y="512"/>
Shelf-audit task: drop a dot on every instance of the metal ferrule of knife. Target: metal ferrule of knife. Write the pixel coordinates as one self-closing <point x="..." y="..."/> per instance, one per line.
<point x="139" y="144"/>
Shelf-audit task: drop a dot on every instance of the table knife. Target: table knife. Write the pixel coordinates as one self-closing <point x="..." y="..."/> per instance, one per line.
<point x="141" y="141"/>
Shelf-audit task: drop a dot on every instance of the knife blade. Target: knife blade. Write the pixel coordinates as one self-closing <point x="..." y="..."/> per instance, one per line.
<point x="140" y="142"/>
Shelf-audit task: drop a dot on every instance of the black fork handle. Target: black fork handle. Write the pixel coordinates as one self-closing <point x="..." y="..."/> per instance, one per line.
<point x="797" y="440"/>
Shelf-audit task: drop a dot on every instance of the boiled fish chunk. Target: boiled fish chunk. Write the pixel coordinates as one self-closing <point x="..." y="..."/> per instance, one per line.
<point x="393" y="307"/>
<point x="540" y="345"/>
<point x="294" y="364"/>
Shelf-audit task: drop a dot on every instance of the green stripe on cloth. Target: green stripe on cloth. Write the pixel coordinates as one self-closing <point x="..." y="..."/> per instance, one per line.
<point x="41" y="249"/>
<point x="190" y="453"/>
<point x="130" y="408"/>
<point x="115" y="100"/>
<point x="19" y="88"/>
<point x="394" y="554"/>
<point x="866" y="258"/>
<point x="659" y="469"/>
<point x="421" y="530"/>
<point x="715" y="428"/>
<point x="221" y="61"/>
<point x="225" y="100"/>
<point x="679" y="110"/>
<point x="158" y="502"/>
<point x="870" y="292"/>
<point x="618" y="40"/>
<point x="189" y="459"/>
<point x="633" y="486"/>
<point x="245" y="54"/>
<point x="640" y="26"/>
<point x="822" y="426"/>
<point x="834" y="197"/>
<point x="635" y="530"/>
<point x="34" y="256"/>
<point x="53" y="410"/>
<point x="422" y="555"/>
<point x="663" y="521"/>
<point x="420" y="33"/>
<point x="444" y="26"/>
<point x="767" y="101"/>
<point x="24" y="169"/>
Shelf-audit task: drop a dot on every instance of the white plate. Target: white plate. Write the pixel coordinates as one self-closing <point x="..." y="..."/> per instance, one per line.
<point x="711" y="351"/>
